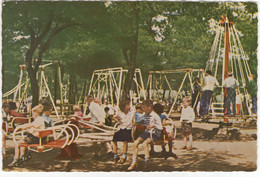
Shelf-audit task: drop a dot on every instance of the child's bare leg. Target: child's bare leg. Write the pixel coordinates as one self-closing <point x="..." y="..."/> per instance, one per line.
<point x="185" y="141"/>
<point x="114" y="144"/>
<point x="170" y="146"/>
<point x="4" y="144"/>
<point x="146" y="148"/>
<point x="125" y="147"/>
<point x="190" y="141"/>
<point x="135" y="148"/>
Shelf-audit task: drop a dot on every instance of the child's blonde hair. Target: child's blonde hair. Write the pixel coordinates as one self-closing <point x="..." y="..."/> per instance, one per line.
<point x="38" y="109"/>
<point x="76" y="108"/>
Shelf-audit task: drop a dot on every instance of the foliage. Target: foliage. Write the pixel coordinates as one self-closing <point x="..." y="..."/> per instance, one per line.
<point x="167" y="35"/>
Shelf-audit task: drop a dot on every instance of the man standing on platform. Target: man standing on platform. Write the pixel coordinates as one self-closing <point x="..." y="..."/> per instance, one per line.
<point x="208" y="86"/>
<point x="231" y="84"/>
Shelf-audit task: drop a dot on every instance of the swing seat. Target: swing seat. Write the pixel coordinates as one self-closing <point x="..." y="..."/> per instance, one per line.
<point x="62" y="136"/>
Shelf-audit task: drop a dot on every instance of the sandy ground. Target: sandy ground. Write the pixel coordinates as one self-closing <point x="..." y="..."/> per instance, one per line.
<point x="230" y="155"/>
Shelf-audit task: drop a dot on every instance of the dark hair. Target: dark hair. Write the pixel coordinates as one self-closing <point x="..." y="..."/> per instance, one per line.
<point x="158" y="108"/>
<point x="148" y="103"/>
<point x="5" y="105"/>
<point x="209" y="72"/>
<point x="46" y="106"/>
<point x="138" y="106"/>
<point x="123" y="103"/>
<point x="106" y="109"/>
<point x="196" y="78"/>
<point x="12" y="105"/>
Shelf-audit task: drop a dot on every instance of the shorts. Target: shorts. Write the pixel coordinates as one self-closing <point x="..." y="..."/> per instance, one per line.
<point x="123" y="135"/>
<point x="186" y="128"/>
<point x="154" y="137"/>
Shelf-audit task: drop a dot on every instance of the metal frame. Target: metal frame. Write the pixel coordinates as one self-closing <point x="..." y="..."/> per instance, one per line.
<point x="228" y="52"/>
<point x="156" y="79"/>
<point x="106" y="81"/>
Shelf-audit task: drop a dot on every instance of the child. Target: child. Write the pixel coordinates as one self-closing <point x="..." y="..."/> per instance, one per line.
<point x="187" y="117"/>
<point x="158" y="108"/>
<point x="153" y="127"/>
<point x="38" y="123"/>
<point x="108" y="119"/>
<point x="126" y="118"/>
<point x="139" y="113"/>
<point x="77" y="111"/>
<point x="47" y="108"/>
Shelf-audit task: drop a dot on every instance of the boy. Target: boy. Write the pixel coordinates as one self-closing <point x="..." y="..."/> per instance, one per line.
<point x="153" y="127"/>
<point x="187" y="117"/>
<point x="47" y="108"/>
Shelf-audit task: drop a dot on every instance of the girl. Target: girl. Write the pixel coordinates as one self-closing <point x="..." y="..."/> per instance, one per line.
<point x="126" y="119"/>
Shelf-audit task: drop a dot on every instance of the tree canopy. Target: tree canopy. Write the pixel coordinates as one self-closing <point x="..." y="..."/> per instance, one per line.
<point x="94" y="35"/>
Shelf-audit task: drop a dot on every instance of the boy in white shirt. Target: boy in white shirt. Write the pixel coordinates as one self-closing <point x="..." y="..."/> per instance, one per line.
<point x="187" y="117"/>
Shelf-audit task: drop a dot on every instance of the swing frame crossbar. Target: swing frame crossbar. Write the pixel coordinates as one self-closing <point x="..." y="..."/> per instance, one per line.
<point x="106" y="81"/>
<point x="188" y="73"/>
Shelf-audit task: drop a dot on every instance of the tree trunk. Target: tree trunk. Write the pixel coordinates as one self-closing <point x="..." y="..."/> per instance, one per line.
<point x="34" y="87"/>
<point x="133" y="55"/>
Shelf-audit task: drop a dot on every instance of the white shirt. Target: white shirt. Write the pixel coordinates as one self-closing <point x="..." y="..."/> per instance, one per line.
<point x="97" y="113"/>
<point x="209" y="82"/>
<point x="38" y="123"/>
<point x="187" y="114"/>
<point x="126" y="120"/>
<point x="230" y="82"/>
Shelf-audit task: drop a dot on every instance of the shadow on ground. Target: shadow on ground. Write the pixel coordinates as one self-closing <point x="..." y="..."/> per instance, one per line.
<point x="194" y="160"/>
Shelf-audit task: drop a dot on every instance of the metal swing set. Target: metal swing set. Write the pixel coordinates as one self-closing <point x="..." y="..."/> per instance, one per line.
<point x="227" y="55"/>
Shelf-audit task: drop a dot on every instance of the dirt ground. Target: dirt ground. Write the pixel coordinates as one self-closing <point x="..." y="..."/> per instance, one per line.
<point x="207" y="155"/>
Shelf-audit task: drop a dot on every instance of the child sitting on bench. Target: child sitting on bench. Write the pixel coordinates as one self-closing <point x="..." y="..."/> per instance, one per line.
<point x="38" y="123"/>
<point x="153" y="127"/>
<point x="126" y="119"/>
<point x="158" y="108"/>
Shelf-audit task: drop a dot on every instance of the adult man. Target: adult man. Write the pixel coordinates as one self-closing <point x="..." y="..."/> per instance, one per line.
<point x="252" y="90"/>
<point x="153" y="132"/>
<point x="231" y="84"/>
<point x="208" y="86"/>
<point x="97" y="115"/>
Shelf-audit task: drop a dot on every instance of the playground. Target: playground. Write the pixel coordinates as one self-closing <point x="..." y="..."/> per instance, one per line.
<point x="218" y="154"/>
<point x="77" y="103"/>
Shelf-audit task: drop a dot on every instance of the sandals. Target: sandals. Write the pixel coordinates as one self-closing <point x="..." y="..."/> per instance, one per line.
<point x="132" y="166"/>
<point x="15" y="163"/>
<point x="122" y="160"/>
<point x="189" y="148"/>
<point x="115" y="160"/>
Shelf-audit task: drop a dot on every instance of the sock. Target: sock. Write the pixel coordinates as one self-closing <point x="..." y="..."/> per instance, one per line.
<point x="134" y="159"/>
<point x="124" y="155"/>
<point x="115" y="156"/>
<point x="3" y="151"/>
